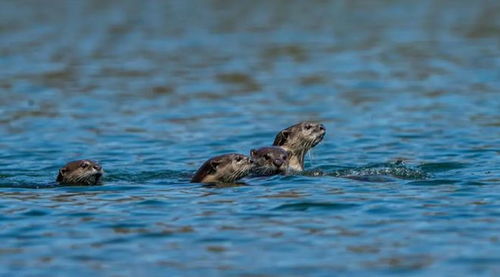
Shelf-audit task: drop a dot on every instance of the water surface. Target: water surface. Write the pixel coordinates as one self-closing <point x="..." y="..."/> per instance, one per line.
<point x="406" y="180"/>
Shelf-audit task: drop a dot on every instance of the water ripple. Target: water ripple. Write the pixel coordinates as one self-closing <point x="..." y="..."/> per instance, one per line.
<point x="305" y="206"/>
<point x="405" y="182"/>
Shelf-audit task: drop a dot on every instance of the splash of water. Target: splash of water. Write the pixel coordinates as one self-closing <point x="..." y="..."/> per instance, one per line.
<point x="376" y="172"/>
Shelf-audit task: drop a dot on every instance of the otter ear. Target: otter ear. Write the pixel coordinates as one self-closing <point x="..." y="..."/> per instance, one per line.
<point x="253" y="152"/>
<point x="60" y="176"/>
<point x="281" y="138"/>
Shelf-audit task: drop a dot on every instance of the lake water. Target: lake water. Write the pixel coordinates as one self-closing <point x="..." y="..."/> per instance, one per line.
<point x="152" y="89"/>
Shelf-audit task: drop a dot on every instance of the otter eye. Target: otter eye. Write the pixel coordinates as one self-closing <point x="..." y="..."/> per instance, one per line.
<point x="238" y="159"/>
<point x="308" y="126"/>
<point x="84" y="165"/>
<point x="267" y="157"/>
<point x="284" y="158"/>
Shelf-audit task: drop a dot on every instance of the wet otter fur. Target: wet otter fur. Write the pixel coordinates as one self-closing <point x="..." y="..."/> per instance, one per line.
<point x="223" y="169"/>
<point x="80" y="173"/>
<point x="297" y="140"/>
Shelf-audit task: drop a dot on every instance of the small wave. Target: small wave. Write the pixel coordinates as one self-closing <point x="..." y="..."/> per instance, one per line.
<point x="441" y="167"/>
<point x="27" y="180"/>
<point x="375" y="172"/>
<point x="433" y="182"/>
<point x="40" y="185"/>
<point x="304" y="206"/>
<point x="146" y="176"/>
<point x="31" y="181"/>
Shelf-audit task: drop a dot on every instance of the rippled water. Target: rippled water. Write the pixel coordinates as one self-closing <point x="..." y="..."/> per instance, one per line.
<point x="406" y="180"/>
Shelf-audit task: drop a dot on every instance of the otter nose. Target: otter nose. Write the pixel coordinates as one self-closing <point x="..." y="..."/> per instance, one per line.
<point x="278" y="162"/>
<point x="322" y="127"/>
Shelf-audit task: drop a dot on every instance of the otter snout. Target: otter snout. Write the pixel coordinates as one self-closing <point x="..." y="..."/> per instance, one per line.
<point x="322" y="130"/>
<point x="278" y="162"/>
<point x="250" y="161"/>
<point x="97" y="170"/>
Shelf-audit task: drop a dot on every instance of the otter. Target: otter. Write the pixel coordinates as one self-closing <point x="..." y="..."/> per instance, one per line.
<point x="297" y="140"/>
<point x="223" y="169"/>
<point x="269" y="161"/>
<point x="80" y="173"/>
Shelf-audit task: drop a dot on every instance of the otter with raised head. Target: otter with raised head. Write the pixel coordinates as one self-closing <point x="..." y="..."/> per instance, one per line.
<point x="269" y="161"/>
<point x="223" y="169"/>
<point x="80" y="173"/>
<point x="297" y="140"/>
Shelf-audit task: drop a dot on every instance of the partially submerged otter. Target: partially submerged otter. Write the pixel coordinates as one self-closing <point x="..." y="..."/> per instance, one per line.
<point x="223" y="169"/>
<point x="297" y="140"/>
<point x="269" y="161"/>
<point x="80" y="173"/>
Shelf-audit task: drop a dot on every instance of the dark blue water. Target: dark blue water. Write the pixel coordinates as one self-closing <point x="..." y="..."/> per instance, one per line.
<point x="406" y="181"/>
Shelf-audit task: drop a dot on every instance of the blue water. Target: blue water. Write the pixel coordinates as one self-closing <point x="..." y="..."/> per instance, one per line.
<point x="406" y="181"/>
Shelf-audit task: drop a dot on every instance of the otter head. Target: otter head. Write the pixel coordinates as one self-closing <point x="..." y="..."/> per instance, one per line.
<point x="298" y="139"/>
<point x="80" y="173"/>
<point x="269" y="161"/>
<point x="224" y="168"/>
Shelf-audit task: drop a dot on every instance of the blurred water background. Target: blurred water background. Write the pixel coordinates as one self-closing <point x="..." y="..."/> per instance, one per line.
<point x="151" y="89"/>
